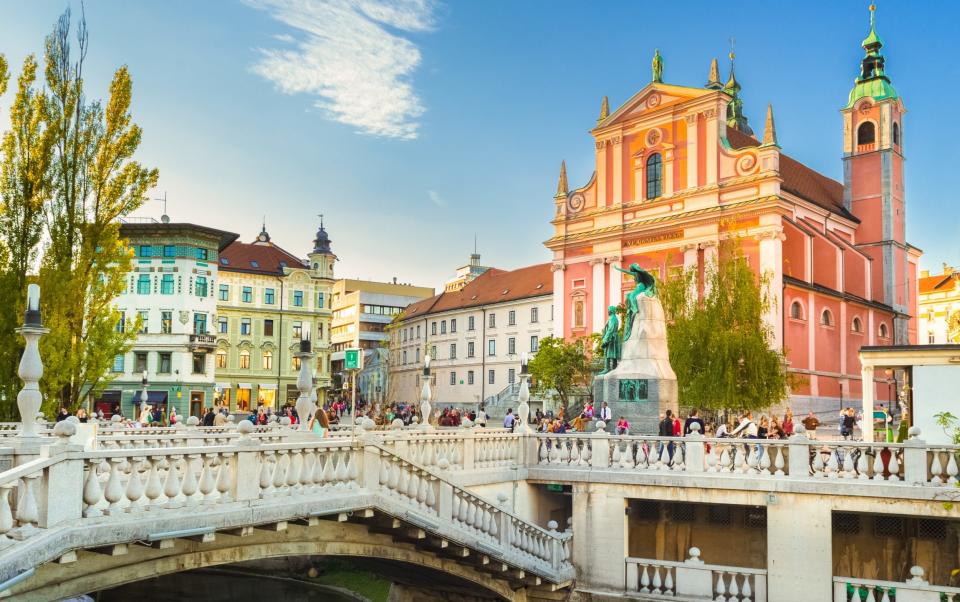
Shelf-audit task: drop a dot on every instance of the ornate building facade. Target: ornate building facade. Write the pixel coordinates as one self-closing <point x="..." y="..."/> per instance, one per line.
<point x="940" y="306"/>
<point x="678" y="169"/>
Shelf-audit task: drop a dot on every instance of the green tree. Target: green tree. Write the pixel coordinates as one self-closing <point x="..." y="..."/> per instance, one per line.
<point x="720" y="345"/>
<point x="95" y="182"/>
<point x="25" y="159"/>
<point x="563" y="368"/>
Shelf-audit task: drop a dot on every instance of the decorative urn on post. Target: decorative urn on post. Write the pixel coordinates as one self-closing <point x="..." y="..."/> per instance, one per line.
<point x="523" y="410"/>
<point x="425" y="393"/>
<point x="29" y="398"/>
<point x="144" y="397"/>
<point x="305" y="405"/>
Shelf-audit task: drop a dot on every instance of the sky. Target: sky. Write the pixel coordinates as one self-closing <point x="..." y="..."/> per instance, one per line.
<point x="416" y="126"/>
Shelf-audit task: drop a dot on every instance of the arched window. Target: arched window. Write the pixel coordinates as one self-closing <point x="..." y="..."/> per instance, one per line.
<point x="826" y="318"/>
<point x="857" y="325"/>
<point x="866" y="133"/>
<point x="221" y="358"/>
<point x="654" y="176"/>
<point x="883" y="330"/>
<point x="796" y="310"/>
<point x="245" y="359"/>
<point x="896" y="133"/>
<point x="267" y="360"/>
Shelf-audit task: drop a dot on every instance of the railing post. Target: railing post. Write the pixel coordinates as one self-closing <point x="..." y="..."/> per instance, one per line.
<point x="528" y="446"/>
<point x="693" y="578"/>
<point x="798" y="452"/>
<point x="915" y="459"/>
<point x="445" y="503"/>
<point x="469" y="448"/>
<point x="694" y="450"/>
<point x="600" y="454"/>
<point x="370" y="469"/>
<point x="247" y="475"/>
<point x="60" y="495"/>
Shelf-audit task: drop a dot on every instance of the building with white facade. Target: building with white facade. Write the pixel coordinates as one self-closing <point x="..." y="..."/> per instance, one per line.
<point x="939" y="304"/>
<point x="170" y="293"/>
<point x="475" y="336"/>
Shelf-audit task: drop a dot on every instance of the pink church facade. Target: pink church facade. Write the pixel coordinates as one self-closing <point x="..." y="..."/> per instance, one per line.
<point x="678" y="169"/>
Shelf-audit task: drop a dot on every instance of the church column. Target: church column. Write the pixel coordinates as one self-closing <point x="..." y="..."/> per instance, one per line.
<point x="690" y="263"/>
<point x="617" y="176"/>
<point x="668" y="155"/>
<point x="559" y="295"/>
<point x="602" y="176"/>
<point x="771" y="261"/>
<point x="692" y="150"/>
<point x="598" y="295"/>
<point x="615" y="296"/>
<point x="713" y="133"/>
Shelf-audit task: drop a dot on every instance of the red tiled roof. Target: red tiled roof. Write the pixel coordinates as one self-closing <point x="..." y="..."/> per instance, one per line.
<point x="493" y="286"/>
<point x="799" y="179"/>
<point x="257" y="258"/>
<point x="937" y="283"/>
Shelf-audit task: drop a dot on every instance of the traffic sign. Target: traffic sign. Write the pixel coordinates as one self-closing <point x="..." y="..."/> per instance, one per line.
<point x="353" y="359"/>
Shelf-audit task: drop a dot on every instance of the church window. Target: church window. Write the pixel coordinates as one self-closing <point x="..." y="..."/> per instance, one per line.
<point x="796" y="310"/>
<point x="866" y="133"/>
<point x="826" y="318"/>
<point x="578" y="314"/>
<point x="654" y="176"/>
<point x="896" y="133"/>
<point x="883" y="330"/>
<point x="857" y="325"/>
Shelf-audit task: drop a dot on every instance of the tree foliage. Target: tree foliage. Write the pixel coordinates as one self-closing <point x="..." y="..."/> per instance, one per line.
<point x="563" y="367"/>
<point x="720" y="345"/>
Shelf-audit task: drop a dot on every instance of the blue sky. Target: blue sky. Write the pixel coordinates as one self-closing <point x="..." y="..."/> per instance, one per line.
<point x="414" y="125"/>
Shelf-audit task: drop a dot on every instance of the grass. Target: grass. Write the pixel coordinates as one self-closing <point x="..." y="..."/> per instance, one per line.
<point x="360" y="582"/>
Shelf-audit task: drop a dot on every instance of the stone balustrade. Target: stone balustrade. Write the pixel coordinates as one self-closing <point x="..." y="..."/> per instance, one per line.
<point x="692" y="579"/>
<point x="914" y="589"/>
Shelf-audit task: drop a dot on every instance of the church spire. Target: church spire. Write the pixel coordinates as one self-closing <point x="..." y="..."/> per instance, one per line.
<point x="872" y="81"/>
<point x="735" y="117"/>
<point x="770" y="129"/>
<point x="714" y="82"/>
<point x="604" y="109"/>
<point x="562" y="188"/>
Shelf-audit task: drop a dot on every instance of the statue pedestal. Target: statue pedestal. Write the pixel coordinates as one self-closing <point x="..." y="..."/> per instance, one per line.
<point x="643" y="385"/>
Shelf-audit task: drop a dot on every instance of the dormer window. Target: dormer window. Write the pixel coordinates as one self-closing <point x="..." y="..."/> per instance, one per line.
<point x="654" y="176"/>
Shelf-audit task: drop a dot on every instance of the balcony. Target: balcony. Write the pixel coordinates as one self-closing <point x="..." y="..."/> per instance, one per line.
<point x="203" y="341"/>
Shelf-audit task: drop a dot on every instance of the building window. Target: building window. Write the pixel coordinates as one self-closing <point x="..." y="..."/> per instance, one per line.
<point x="443" y="327"/>
<point x="492" y="321"/>
<point x="883" y="330"/>
<point x="796" y="310"/>
<point x="122" y="323"/>
<point x="295" y="364"/>
<point x="578" y="314"/>
<point x="453" y="351"/>
<point x="245" y="360"/>
<point x="453" y="378"/>
<point x="221" y="359"/>
<point x="534" y="315"/>
<point x="117" y="363"/>
<point x="166" y="322"/>
<point x="534" y="343"/>
<point x="511" y="346"/>
<point x="654" y="176"/>
<point x="511" y="376"/>
<point x="319" y="300"/>
<point x="169" y="251"/>
<point x="245" y="326"/>
<point x="470" y="351"/>
<point x="404" y="356"/>
<point x="469" y="377"/>
<point x="140" y="362"/>
<point x="145" y="251"/>
<point x="866" y="133"/>
<point x="202" y="255"/>
<point x="417" y="355"/>
<point x="199" y="323"/>
<point x="163" y="362"/>
<point x="143" y="284"/>
<point x="492" y="347"/>
<point x="268" y="296"/>
<point x="511" y="318"/>
<point x="144" y="321"/>
<point x="470" y="324"/>
<point x="896" y="133"/>
<point x="246" y="295"/>
<point x="268" y="328"/>
<point x="857" y="325"/>
<point x="491" y="377"/>
<point x="224" y="292"/>
<point x="433" y="352"/>
<point x="201" y="286"/>
<point x="222" y="325"/>
<point x="826" y="318"/>
<point x="298" y="298"/>
<point x="298" y="330"/>
<point x="166" y="284"/>
<point x="453" y="325"/>
<point x="418" y="331"/>
<point x="199" y="363"/>
<point x="433" y="328"/>
<point x="268" y="360"/>
<point x="931" y="338"/>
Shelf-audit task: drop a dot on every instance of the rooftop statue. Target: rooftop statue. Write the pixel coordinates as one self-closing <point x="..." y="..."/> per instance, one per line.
<point x="646" y="284"/>
<point x="657" y="67"/>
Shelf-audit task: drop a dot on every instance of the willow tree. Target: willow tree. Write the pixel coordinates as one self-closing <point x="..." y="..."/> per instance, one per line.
<point x="720" y="344"/>
<point x="95" y="181"/>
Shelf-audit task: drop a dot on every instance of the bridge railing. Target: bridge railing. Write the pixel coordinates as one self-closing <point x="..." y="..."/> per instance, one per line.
<point x="692" y="579"/>
<point x="915" y="589"/>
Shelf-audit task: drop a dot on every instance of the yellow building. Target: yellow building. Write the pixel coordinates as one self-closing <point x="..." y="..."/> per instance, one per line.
<point x="939" y="303"/>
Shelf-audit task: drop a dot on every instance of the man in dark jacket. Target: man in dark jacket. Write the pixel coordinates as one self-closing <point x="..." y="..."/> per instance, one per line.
<point x="666" y="430"/>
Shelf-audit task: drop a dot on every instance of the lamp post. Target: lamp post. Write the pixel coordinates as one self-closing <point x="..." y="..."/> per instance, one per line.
<point x="891" y="385"/>
<point x="425" y="393"/>
<point x="523" y="410"/>
<point x="305" y="405"/>
<point x="29" y="398"/>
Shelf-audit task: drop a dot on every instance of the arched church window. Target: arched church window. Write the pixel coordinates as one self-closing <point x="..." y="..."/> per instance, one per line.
<point x="654" y="176"/>
<point x="883" y="330"/>
<point x="826" y="318"/>
<point x="896" y="133"/>
<point x="857" y="325"/>
<point x="796" y="310"/>
<point x="866" y="133"/>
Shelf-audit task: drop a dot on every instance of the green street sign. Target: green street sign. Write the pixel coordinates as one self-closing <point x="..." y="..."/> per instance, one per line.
<point x="351" y="359"/>
<point x="555" y="487"/>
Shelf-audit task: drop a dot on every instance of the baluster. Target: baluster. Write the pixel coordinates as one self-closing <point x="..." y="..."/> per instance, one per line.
<point x="626" y="457"/>
<point x="189" y="479"/>
<point x="893" y="466"/>
<point x="951" y="467"/>
<point x="656" y="585"/>
<point x="726" y="465"/>
<point x="779" y="463"/>
<point x="455" y="508"/>
<point x="733" y="591"/>
<point x="679" y="456"/>
<point x="422" y="490"/>
<point x="280" y="472"/>
<point x="740" y="463"/>
<point x="343" y="473"/>
<point x="565" y="452"/>
<point x="293" y="474"/>
<point x="575" y="452"/>
<point x="171" y="486"/>
<point x="668" y="581"/>
<point x="765" y="458"/>
<point x="746" y="591"/>
<point x="877" y="464"/>
<point x="712" y="459"/>
<point x="863" y="466"/>
<point x="936" y="469"/>
<point x="6" y="515"/>
<point x="225" y="478"/>
<point x="494" y="519"/>
<point x="544" y="458"/>
<point x="644" y="580"/>
<point x="92" y="492"/>
<point x="721" y="589"/>
<point x="114" y="491"/>
<point x="208" y="484"/>
<point x="886" y="595"/>
<point x="134" y="486"/>
<point x="329" y="476"/>
<point x="154" y="488"/>
<point x="615" y="452"/>
<point x="587" y="453"/>
<point x="663" y="460"/>
<point x="316" y="470"/>
<point x="848" y="471"/>
<point x="753" y="459"/>
<point x="818" y="463"/>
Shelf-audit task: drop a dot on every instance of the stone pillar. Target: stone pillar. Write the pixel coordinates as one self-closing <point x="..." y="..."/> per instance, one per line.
<point x="914" y="458"/>
<point x="868" y="388"/>
<point x="799" y="550"/>
<point x="559" y="295"/>
<point x="771" y="262"/>
<point x="712" y="142"/>
<point x="616" y="181"/>
<point x="603" y="178"/>
<point x="600" y="444"/>
<point x="598" y="295"/>
<point x="615" y="296"/>
<point x="694" y="450"/>
<point x="600" y="522"/>
<point x="692" y="141"/>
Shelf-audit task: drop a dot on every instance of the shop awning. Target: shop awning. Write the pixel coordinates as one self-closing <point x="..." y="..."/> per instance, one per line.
<point x="153" y="397"/>
<point x="268" y="386"/>
<point x="244" y="386"/>
<point x="222" y="386"/>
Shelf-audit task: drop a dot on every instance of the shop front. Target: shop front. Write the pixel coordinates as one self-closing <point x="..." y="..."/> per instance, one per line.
<point x="267" y="395"/>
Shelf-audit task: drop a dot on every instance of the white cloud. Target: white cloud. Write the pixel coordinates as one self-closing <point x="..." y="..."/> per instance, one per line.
<point x="436" y="199"/>
<point x="358" y="71"/>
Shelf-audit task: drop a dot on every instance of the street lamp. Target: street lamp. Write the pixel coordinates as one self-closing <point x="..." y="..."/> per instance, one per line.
<point x="143" y="394"/>
<point x="891" y="383"/>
